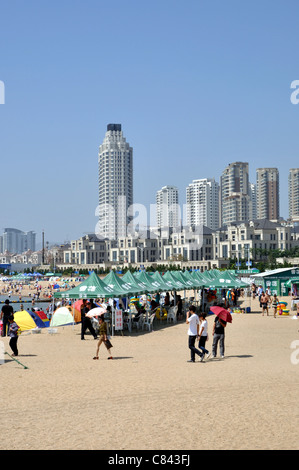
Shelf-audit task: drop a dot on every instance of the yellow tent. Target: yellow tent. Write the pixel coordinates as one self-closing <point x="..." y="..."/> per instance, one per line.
<point x="24" y="321"/>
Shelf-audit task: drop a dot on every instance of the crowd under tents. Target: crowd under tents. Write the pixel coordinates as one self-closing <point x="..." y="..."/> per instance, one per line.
<point x="138" y="283"/>
<point x="113" y="286"/>
<point x="128" y="286"/>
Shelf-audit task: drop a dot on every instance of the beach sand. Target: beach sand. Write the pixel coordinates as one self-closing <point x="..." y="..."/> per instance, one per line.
<point x="149" y="396"/>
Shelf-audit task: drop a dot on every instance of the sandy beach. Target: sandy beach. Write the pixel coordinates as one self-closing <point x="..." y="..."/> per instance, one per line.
<point x="149" y="396"/>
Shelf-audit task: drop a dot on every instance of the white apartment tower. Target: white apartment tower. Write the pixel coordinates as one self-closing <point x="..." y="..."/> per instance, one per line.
<point x="202" y="197"/>
<point x="115" y="184"/>
<point x="267" y="193"/>
<point x="236" y="204"/>
<point x="252" y="193"/>
<point x="294" y="194"/>
<point x="167" y="207"/>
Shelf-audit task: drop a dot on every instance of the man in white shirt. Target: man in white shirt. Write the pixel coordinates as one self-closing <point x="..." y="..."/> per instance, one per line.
<point x="193" y="333"/>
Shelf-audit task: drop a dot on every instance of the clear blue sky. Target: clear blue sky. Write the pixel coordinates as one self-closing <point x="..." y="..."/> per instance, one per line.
<point x="195" y="84"/>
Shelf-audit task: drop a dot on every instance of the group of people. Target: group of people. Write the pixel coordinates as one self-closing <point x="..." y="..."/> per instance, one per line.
<point x="198" y="330"/>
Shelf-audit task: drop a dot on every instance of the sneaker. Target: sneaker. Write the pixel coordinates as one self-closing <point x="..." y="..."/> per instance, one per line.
<point x="208" y="355"/>
<point x="190" y="360"/>
<point x="213" y="357"/>
<point x="222" y="357"/>
<point x="201" y="358"/>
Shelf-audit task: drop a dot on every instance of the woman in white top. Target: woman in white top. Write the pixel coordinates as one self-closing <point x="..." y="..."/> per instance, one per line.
<point x="203" y="330"/>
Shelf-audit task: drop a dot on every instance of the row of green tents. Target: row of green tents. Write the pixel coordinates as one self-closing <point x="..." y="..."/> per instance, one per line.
<point x="130" y="284"/>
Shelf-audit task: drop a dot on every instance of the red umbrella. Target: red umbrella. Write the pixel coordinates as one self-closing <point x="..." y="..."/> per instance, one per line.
<point x="222" y="313"/>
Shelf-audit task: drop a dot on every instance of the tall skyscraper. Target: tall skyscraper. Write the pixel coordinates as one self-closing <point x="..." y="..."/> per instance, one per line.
<point x="294" y="194"/>
<point x="167" y="207"/>
<point x="267" y="193"/>
<point x="236" y="205"/>
<point x="202" y="197"/>
<point x="252" y="194"/>
<point x="115" y="184"/>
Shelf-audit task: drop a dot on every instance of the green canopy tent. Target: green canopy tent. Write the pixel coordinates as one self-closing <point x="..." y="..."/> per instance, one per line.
<point x="115" y="282"/>
<point x="178" y="283"/>
<point x="186" y="279"/>
<point x="198" y="276"/>
<point x="225" y="280"/>
<point x="212" y="274"/>
<point x="152" y="284"/>
<point x="92" y="288"/>
<point x="168" y="285"/>
<point x="196" y="282"/>
<point x="137" y="286"/>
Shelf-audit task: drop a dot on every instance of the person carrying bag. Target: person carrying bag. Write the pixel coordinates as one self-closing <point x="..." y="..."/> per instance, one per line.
<point x="103" y="338"/>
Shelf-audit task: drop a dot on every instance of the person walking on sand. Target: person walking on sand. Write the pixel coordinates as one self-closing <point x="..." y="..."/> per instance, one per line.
<point x="103" y="338"/>
<point x="13" y="333"/>
<point x="264" y="303"/>
<point x="193" y="332"/>
<point x="275" y="302"/>
<point x="203" y="332"/>
<point x="218" y="336"/>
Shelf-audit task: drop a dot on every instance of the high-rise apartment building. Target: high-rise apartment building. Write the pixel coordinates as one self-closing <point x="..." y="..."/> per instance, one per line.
<point x="167" y="207"/>
<point x="294" y="194"/>
<point x="16" y="241"/>
<point x="267" y="193"/>
<point x="236" y="205"/>
<point x="252" y="194"/>
<point x="115" y="184"/>
<point x="202" y="197"/>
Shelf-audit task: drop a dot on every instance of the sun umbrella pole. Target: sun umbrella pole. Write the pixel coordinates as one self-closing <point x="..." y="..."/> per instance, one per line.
<point x="112" y="320"/>
<point x="25" y="367"/>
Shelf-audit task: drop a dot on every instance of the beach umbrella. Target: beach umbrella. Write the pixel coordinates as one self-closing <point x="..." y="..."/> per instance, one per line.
<point x="95" y="312"/>
<point x="222" y="313"/>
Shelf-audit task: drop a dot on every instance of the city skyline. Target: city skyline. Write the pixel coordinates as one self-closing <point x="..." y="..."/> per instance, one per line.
<point x="211" y="86"/>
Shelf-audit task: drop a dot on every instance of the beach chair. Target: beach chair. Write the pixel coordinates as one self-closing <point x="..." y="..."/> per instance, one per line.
<point x="138" y="324"/>
<point x="171" y="315"/>
<point x="149" y="322"/>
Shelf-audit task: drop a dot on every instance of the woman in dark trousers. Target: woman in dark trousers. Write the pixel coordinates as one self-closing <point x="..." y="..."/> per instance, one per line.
<point x="218" y="336"/>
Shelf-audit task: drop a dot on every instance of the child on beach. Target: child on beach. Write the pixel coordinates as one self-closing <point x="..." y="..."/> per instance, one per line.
<point x="13" y="333"/>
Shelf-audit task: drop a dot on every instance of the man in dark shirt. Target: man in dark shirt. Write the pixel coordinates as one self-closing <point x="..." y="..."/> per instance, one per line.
<point x="86" y="321"/>
<point x="218" y="336"/>
<point x="6" y="312"/>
